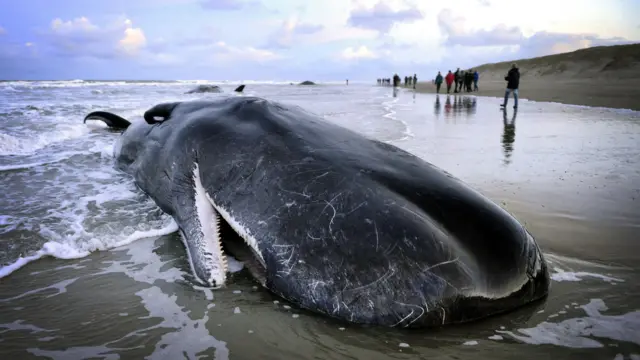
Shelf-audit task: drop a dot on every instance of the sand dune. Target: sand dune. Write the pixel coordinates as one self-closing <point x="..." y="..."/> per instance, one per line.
<point x="607" y="76"/>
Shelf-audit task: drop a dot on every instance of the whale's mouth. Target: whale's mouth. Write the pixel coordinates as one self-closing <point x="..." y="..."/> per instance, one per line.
<point x="216" y="235"/>
<point x="236" y="241"/>
<point x="234" y="245"/>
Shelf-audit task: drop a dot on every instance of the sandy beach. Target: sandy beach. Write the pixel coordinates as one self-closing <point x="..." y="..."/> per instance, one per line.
<point x="622" y="94"/>
<point x="602" y="76"/>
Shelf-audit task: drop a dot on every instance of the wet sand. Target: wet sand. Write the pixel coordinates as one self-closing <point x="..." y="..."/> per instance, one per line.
<point x="570" y="174"/>
<point x="621" y="94"/>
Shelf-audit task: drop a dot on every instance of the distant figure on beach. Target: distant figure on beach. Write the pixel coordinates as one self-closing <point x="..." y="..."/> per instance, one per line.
<point x="468" y="80"/>
<point x="513" y="83"/>
<point x="415" y="80"/>
<point x="449" y="79"/>
<point x="476" y="77"/>
<point x="457" y="77"/>
<point x="347" y="81"/>
<point x="438" y="82"/>
<point x="396" y="80"/>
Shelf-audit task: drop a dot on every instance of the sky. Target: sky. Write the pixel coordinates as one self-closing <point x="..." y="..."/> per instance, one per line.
<point x="285" y="40"/>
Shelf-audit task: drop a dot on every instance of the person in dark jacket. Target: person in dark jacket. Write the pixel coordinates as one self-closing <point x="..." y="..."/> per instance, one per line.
<point x="438" y="82"/>
<point x="468" y="79"/>
<point x="456" y="76"/>
<point x="415" y="80"/>
<point x="476" y="77"/>
<point x="513" y="83"/>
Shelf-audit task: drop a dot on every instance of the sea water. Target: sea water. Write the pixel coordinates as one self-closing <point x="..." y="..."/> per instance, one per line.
<point x="90" y="267"/>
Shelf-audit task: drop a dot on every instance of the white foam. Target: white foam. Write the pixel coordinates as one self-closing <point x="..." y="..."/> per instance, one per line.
<point x="580" y="332"/>
<point x="60" y="286"/>
<point x="233" y="264"/>
<point x="391" y="114"/>
<point x="562" y="275"/>
<point x="20" y="325"/>
<point x="67" y="251"/>
<point x="32" y="142"/>
<point x="470" y="343"/>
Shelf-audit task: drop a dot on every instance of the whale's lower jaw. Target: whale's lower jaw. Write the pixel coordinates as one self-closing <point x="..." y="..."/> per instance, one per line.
<point x="204" y="245"/>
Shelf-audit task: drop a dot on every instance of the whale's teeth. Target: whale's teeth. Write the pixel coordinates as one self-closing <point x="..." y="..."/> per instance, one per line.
<point x="208" y="246"/>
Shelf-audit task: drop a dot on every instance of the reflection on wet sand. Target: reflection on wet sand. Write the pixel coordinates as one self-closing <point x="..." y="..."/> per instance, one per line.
<point x="461" y="106"/>
<point x="508" y="135"/>
<point x="437" y="106"/>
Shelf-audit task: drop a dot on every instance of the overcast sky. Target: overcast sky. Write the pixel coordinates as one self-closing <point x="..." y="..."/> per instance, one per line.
<point x="293" y="39"/>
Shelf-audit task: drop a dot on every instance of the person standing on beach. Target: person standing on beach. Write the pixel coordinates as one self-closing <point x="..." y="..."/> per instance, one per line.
<point x="469" y="80"/>
<point x="438" y="82"/>
<point x="456" y="78"/>
<point x="513" y="83"/>
<point x="449" y="80"/>
<point x="415" y="80"/>
<point x="396" y="80"/>
<point x="476" y="77"/>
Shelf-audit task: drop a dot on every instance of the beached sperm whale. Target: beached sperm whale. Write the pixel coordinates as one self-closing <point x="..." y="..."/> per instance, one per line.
<point x="337" y="223"/>
<point x="211" y="89"/>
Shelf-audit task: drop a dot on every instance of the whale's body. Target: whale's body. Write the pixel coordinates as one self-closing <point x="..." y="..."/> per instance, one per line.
<point x="338" y="223"/>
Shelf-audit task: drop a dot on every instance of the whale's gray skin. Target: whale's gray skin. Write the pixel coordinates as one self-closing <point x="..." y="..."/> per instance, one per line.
<point x="340" y="224"/>
<point x="211" y="89"/>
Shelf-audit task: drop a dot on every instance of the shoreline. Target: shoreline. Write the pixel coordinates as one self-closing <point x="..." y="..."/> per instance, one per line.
<point x="619" y="94"/>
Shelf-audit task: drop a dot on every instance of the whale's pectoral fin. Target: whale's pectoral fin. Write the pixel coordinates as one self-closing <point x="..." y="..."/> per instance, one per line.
<point x="199" y="226"/>
<point x="239" y="88"/>
<point x="112" y="120"/>
<point x="159" y="113"/>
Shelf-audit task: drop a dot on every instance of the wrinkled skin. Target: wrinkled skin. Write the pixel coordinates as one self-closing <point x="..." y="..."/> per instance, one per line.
<point x="347" y="226"/>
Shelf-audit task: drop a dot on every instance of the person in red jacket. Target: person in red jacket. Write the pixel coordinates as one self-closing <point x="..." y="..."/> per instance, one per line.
<point x="449" y="79"/>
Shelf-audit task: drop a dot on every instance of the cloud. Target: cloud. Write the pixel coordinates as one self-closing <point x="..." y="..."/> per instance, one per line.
<point x="505" y="38"/>
<point x="362" y="52"/>
<point x="291" y="32"/>
<point x="381" y="17"/>
<point x="225" y="53"/>
<point x="289" y="39"/>
<point x="225" y="5"/>
<point x="2" y="31"/>
<point x="455" y="33"/>
<point x="294" y="32"/>
<point x="547" y="43"/>
<point x="79" y="37"/>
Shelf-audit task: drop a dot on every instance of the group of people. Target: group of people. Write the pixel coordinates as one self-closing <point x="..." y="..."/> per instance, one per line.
<point x="408" y="80"/>
<point x="463" y="81"/>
